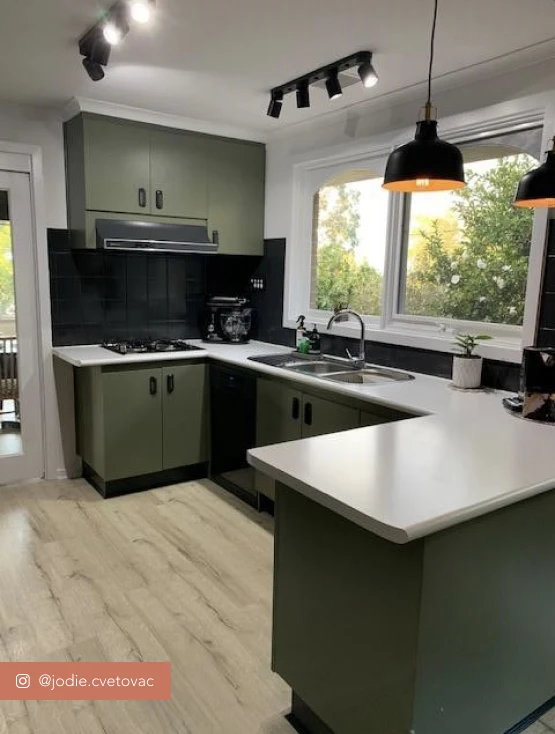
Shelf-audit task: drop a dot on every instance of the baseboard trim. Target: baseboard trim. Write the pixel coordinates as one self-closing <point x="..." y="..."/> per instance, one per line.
<point x="532" y="718"/>
<point x="118" y="487"/>
<point x="303" y="719"/>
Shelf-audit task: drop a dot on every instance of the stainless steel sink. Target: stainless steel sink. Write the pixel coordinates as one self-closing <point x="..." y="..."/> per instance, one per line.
<point x="333" y="368"/>
<point x="316" y="368"/>
<point x="369" y="376"/>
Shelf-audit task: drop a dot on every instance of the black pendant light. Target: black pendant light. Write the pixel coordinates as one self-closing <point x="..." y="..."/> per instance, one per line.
<point x="537" y="187"/>
<point x="426" y="163"/>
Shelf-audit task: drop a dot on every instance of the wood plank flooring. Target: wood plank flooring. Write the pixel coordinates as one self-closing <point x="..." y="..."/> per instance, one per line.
<point x="180" y="574"/>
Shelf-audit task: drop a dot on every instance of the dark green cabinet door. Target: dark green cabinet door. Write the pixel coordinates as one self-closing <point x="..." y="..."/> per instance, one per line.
<point x="117" y="166"/>
<point x="178" y="175"/>
<point x="132" y="422"/>
<point x="278" y="413"/>
<point x="236" y="175"/>
<point x="278" y="419"/>
<point x="324" y="416"/>
<point x="185" y="415"/>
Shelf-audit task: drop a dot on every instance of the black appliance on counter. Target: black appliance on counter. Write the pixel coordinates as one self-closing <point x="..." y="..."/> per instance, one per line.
<point x="233" y="428"/>
<point x="149" y="346"/>
<point x="227" y="320"/>
<point x="539" y="384"/>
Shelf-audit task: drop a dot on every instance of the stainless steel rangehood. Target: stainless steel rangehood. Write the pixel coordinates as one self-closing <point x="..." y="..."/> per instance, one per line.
<point x="116" y="234"/>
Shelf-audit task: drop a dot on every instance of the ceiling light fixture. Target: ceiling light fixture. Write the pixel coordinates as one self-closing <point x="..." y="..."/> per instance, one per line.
<point x="367" y="74"/>
<point x="96" y="43"/>
<point x="93" y="69"/>
<point x="333" y="86"/>
<point x="330" y="75"/>
<point x="537" y="187"/>
<point x="427" y="163"/>
<point x="141" y="10"/>
<point x="303" y="95"/>
<point x="276" y="103"/>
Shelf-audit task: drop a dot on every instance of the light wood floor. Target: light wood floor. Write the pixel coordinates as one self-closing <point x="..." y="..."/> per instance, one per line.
<point x="180" y="574"/>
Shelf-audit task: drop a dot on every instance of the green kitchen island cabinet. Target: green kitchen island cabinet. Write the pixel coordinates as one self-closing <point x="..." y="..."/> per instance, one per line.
<point x="403" y="605"/>
<point x="142" y="426"/>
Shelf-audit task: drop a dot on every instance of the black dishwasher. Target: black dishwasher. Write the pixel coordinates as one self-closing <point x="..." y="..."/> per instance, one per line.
<point x="233" y="427"/>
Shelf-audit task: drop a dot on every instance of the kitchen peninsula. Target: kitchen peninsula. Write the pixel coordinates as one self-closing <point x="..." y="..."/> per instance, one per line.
<point x="414" y="574"/>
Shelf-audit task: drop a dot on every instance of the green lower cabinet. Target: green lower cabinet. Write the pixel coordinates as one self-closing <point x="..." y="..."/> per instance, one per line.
<point x="185" y="415"/>
<point x="137" y="421"/>
<point x="132" y="423"/>
<point x="381" y="414"/>
<point x="286" y="414"/>
<point x="322" y="416"/>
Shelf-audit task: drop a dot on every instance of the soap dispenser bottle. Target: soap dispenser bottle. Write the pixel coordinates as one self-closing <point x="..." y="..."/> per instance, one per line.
<point x="301" y="332"/>
<point x="314" y="337"/>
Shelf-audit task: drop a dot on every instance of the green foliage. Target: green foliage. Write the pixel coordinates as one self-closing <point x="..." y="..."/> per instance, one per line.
<point x="467" y="343"/>
<point x="470" y="265"/>
<point x="6" y="271"/>
<point x="482" y="277"/>
<point x="342" y="279"/>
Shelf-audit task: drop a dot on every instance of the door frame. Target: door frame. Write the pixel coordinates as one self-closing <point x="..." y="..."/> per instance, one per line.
<point x="22" y="158"/>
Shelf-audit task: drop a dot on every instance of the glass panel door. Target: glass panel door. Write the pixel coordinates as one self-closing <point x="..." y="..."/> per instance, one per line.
<point x="21" y="449"/>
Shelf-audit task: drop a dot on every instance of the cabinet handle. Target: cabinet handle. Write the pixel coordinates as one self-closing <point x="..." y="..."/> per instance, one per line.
<point x="159" y="199"/>
<point x="308" y="414"/>
<point x="142" y="198"/>
<point x="170" y="384"/>
<point x="296" y="409"/>
<point x="215" y="237"/>
<point x="153" y="385"/>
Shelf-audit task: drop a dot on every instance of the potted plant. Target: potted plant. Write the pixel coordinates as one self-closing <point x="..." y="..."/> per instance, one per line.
<point x="467" y="366"/>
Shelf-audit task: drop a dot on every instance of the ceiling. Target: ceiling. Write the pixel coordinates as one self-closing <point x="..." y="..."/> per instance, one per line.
<point x="216" y="60"/>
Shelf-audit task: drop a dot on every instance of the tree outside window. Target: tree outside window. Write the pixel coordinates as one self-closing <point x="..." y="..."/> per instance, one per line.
<point x="465" y="255"/>
<point x="7" y="295"/>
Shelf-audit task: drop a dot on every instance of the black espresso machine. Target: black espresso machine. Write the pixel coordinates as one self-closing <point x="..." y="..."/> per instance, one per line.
<point x="227" y="320"/>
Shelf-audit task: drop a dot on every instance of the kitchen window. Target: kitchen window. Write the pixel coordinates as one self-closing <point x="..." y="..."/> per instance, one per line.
<point x="465" y="253"/>
<point x="420" y="267"/>
<point x="348" y="243"/>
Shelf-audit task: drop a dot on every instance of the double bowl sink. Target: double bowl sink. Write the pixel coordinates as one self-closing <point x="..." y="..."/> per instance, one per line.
<point x="333" y="369"/>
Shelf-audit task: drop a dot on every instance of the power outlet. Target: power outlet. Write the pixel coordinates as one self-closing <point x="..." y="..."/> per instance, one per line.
<point x="258" y="284"/>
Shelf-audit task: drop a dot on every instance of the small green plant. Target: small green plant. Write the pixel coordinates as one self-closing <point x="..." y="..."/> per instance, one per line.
<point x="467" y="343"/>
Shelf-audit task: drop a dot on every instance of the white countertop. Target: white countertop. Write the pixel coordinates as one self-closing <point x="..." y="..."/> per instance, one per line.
<point x="465" y="456"/>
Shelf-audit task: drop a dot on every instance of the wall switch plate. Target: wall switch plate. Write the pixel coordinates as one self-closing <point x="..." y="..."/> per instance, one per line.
<point x="258" y="284"/>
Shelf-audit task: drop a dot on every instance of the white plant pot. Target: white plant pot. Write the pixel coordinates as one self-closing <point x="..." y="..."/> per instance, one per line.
<point x="467" y="372"/>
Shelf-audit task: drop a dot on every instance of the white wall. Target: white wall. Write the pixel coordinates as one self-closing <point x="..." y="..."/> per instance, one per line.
<point x="43" y="127"/>
<point x="391" y="119"/>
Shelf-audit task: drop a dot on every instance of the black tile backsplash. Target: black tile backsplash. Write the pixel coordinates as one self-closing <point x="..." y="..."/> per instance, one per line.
<point x="99" y="295"/>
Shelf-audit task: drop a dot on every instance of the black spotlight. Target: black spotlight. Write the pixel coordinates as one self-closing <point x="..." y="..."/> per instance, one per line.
<point x="276" y="103"/>
<point x="303" y="95"/>
<point x="367" y="74"/>
<point x="93" y="69"/>
<point x="333" y="86"/>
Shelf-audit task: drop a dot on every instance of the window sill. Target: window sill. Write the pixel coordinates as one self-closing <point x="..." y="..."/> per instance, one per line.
<point x="502" y="349"/>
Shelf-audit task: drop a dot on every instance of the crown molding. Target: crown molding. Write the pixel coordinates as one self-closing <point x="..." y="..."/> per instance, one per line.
<point x="82" y="104"/>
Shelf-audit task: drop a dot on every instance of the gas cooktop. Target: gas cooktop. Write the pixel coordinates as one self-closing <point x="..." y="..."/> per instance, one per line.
<point x="148" y="346"/>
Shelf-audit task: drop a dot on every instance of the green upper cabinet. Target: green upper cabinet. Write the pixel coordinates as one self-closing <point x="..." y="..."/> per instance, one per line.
<point x="236" y="174"/>
<point x="117" y="166"/>
<point x="178" y="175"/>
<point x="153" y="173"/>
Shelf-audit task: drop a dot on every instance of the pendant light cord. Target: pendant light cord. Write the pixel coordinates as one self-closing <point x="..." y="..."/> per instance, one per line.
<point x="432" y="51"/>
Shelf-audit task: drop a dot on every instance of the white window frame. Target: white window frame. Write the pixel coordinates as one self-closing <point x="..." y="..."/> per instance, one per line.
<point x="402" y="329"/>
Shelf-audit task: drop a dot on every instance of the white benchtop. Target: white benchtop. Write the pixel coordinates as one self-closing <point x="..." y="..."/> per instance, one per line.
<point x="463" y="457"/>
